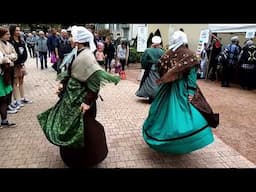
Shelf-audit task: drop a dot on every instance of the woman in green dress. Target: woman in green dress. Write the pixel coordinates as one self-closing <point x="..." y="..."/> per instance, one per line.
<point x="148" y="86"/>
<point x="5" y="75"/>
<point x="71" y="124"/>
<point x="173" y="124"/>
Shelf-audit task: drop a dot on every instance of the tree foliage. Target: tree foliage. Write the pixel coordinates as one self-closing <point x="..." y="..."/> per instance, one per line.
<point x="104" y="32"/>
<point x="37" y="27"/>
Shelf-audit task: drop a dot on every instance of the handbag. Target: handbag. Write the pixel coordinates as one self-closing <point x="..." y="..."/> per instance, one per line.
<point x="53" y="58"/>
<point x="201" y="104"/>
<point x="122" y="75"/>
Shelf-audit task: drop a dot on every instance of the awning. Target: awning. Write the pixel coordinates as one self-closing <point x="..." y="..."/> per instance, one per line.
<point x="231" y="28"/>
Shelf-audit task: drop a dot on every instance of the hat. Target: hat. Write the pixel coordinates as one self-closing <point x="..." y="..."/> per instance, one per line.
<point x="81" y="35"/>
<point x="156" y="40"/>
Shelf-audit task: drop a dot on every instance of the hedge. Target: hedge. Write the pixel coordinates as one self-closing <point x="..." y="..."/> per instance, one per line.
<point x="134" y="56"/>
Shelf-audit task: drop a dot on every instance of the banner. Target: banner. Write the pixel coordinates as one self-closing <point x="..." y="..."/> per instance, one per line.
<point x="204" y="38"/>
<point x="250" y="34"/>
<point x="142" y="38"/>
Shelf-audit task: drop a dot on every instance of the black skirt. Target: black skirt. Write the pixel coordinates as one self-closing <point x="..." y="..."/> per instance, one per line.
<point x="95" y="147"/>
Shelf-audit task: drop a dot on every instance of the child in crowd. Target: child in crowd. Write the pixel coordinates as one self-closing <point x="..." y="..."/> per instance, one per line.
<point x="118" y="66"/>
<point x="99" y="54"/>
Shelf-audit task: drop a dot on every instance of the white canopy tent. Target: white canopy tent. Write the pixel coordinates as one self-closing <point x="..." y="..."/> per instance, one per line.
<point x="231" y="28"/>
<point x="227" y="30"/>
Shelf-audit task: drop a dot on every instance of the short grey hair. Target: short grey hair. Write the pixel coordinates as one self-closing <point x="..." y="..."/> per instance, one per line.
<point x="41" y="33"/>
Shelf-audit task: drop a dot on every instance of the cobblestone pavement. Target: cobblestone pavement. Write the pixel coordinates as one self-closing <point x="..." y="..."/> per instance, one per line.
<point x="122" y="115"/>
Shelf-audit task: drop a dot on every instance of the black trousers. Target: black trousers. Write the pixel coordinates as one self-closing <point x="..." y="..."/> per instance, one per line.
<point x="247" y="78"/>
<point x="108" y="64"/>
<point x="212" y="71"/>
<point x="43" y="59"/>
<point x="227" y="74"/>
<point x="122" y="61"/>
<point x="12" y="81"/>
<point x="4" y="102"/>
<point x="31" y="50"/>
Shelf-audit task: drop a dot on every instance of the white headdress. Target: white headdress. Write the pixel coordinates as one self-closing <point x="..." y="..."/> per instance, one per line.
<point x="156" y="40"/>
<point x="81" y="35"/>
<point x="177" y="39"/>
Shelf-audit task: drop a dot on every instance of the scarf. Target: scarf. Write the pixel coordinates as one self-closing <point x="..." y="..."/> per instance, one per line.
<point x="173" y="64"/>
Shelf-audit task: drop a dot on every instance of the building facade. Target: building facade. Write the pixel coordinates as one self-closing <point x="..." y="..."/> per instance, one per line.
<point x="130" y="31"/>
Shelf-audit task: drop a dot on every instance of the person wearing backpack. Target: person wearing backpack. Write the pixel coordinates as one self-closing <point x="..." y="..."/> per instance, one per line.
<point x="232" y="52"/>
<point x="248" y="65"/>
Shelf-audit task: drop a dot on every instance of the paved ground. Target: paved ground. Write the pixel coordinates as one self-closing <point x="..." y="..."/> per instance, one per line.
<point x="122" y="114"/>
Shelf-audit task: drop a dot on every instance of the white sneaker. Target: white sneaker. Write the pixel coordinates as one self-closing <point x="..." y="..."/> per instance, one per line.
<point x="19" y="103"/>
<point x="16" y="105"/>
<point x="12" y="111"/>
<point x="12" y="107"/>
<point x="26" y="101"/>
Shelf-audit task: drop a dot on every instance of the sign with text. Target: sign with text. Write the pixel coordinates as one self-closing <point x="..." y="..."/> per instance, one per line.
<point x="204" y="38"/>
<point x="142" y="38"/>
<point x="250" y="34"/>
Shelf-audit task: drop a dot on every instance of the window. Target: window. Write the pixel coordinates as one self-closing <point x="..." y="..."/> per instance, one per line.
<point x="126" y="33"/>
<point x="117" y="27"/>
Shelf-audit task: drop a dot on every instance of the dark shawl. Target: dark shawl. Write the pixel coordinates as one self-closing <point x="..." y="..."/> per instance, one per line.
<point x="173" y="64"/>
